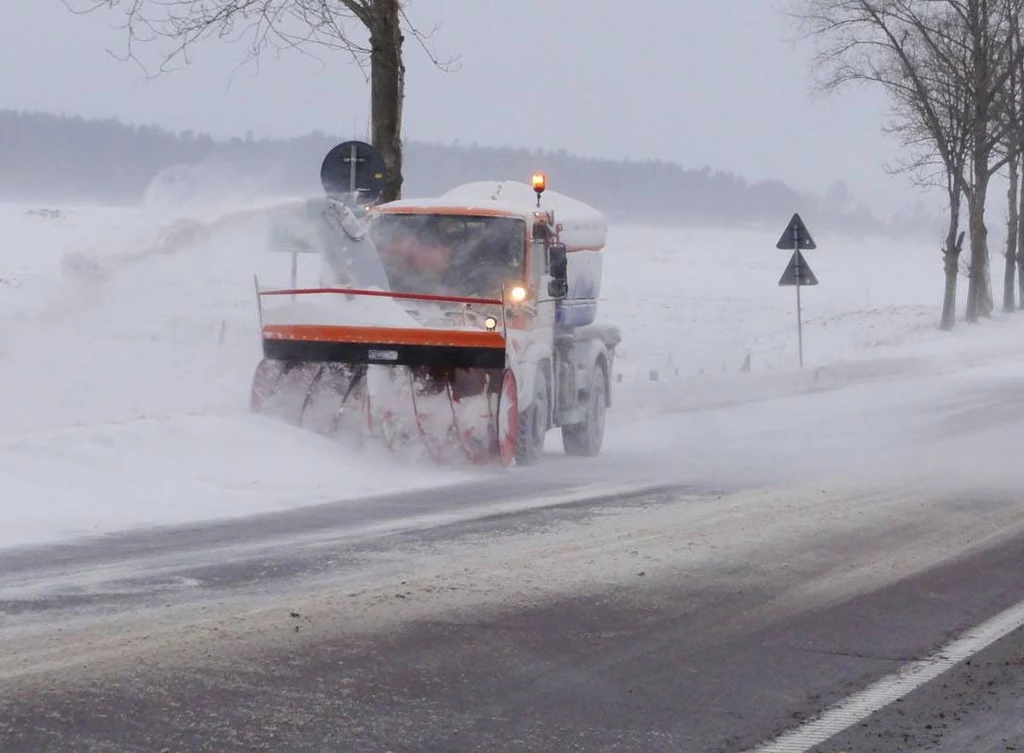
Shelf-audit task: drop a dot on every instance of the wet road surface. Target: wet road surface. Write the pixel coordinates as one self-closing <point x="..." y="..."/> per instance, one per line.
<point x="545" y="616"/>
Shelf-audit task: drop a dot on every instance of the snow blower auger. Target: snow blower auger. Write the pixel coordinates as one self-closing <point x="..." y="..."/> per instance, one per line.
<point x="446" y="392"/>
<point x="459" y="328"/>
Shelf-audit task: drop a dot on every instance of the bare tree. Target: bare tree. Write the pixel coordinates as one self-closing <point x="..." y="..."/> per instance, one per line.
<point x="993" y="57"/>
<point x="365" y="30"/>
<point x="1020" y="240"/>
<point x="1014" y="196"/>
<point x="931" y="111"/>
<point x="1016" y="117"/>
<point x="868" y="42"/>
<point x="945" y="64"/>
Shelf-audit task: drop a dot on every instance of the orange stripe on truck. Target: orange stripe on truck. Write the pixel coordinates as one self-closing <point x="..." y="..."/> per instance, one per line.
<point x="384" y="335"/>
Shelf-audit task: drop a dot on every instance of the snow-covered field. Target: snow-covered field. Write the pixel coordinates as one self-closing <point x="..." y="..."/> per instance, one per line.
<point x="695" y="304"/>
<point x="130" y="337"/>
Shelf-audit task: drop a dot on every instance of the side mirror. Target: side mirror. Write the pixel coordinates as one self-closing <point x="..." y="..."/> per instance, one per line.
<point x="558" y="262"/>
<point x="558" y="288"/>
<point x="558" y="268"/>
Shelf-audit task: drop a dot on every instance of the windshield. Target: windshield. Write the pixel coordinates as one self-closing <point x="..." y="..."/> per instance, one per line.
<point x="450" y="255"/>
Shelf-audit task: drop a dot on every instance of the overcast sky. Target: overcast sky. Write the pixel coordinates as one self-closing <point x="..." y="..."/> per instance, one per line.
<point x="697" y="82"/>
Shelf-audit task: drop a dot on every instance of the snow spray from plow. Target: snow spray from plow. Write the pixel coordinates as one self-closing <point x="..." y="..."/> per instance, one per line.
<point x="459" y="328"/>
<point x="354" y="381"/>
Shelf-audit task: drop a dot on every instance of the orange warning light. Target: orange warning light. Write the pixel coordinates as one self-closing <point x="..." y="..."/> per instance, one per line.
<point x="540" y="182"/>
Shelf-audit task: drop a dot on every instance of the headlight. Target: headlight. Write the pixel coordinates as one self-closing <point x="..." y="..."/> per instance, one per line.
<point x="490" y="323"/>
<point x="517" y="294"/>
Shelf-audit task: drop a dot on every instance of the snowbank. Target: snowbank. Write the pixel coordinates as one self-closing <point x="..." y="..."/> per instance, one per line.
<point x="178" y="469"/>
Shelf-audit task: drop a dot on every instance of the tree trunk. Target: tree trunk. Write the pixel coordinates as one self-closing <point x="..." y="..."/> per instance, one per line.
<point x="979" y="297"/>
<point x="951" y="261"/>
<point x="1020" y="240"/>
<point x="976" y="274"/>
<point x="1012" y="226"/>
<point x="986" y="304"/>
<point x="387" y="90"/>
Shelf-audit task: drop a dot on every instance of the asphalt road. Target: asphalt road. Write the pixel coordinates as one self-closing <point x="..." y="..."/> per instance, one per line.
<point x="536" y="616"/>
<point x="719" y="660"/>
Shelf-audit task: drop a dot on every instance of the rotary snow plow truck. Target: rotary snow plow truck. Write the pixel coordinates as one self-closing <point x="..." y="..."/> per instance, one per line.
<point x="460" y="326"/>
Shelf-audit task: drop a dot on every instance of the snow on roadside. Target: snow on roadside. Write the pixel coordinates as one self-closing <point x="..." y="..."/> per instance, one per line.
<point x="179" y="469"/>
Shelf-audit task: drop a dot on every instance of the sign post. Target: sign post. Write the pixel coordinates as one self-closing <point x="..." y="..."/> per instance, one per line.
<point x="798" y="273"/>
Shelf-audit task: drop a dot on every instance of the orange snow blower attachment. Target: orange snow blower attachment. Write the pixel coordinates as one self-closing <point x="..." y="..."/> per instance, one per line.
<point x="339" y="367"/>
<point x="393" y="346"/>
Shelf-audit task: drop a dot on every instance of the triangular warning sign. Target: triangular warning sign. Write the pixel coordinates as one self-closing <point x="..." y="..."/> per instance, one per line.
<point x="796" y="236"/>
<point x="798" y="272"/>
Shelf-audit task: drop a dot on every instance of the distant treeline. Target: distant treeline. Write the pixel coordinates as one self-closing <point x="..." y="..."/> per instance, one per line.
<point x="54" y="158"/>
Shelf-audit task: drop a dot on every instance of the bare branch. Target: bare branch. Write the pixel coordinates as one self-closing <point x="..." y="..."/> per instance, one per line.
<point x="262" y="26"/>
<point x="949" y="68"/>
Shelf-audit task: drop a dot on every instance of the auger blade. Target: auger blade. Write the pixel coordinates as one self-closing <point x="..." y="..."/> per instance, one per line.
<point x="282" y="389"/>
<point x="327" y="395"/>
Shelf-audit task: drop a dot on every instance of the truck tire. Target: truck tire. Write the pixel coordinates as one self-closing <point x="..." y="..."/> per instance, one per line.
<point x="585" y="439"/>
<point x="533" y="423"/>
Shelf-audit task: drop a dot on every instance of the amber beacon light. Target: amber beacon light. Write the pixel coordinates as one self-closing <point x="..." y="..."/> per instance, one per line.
<point x="540" y="182"/>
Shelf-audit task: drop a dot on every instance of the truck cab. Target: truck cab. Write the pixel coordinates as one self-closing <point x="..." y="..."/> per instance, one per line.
<point x="496" y="240"/>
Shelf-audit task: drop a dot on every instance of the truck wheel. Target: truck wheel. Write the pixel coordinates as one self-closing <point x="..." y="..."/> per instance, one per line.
<point x="533" y="423"/>
<point x="584" y="439"/>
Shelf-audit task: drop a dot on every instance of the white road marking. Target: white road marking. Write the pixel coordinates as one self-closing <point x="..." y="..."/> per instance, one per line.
<point x="861" y="705"/>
